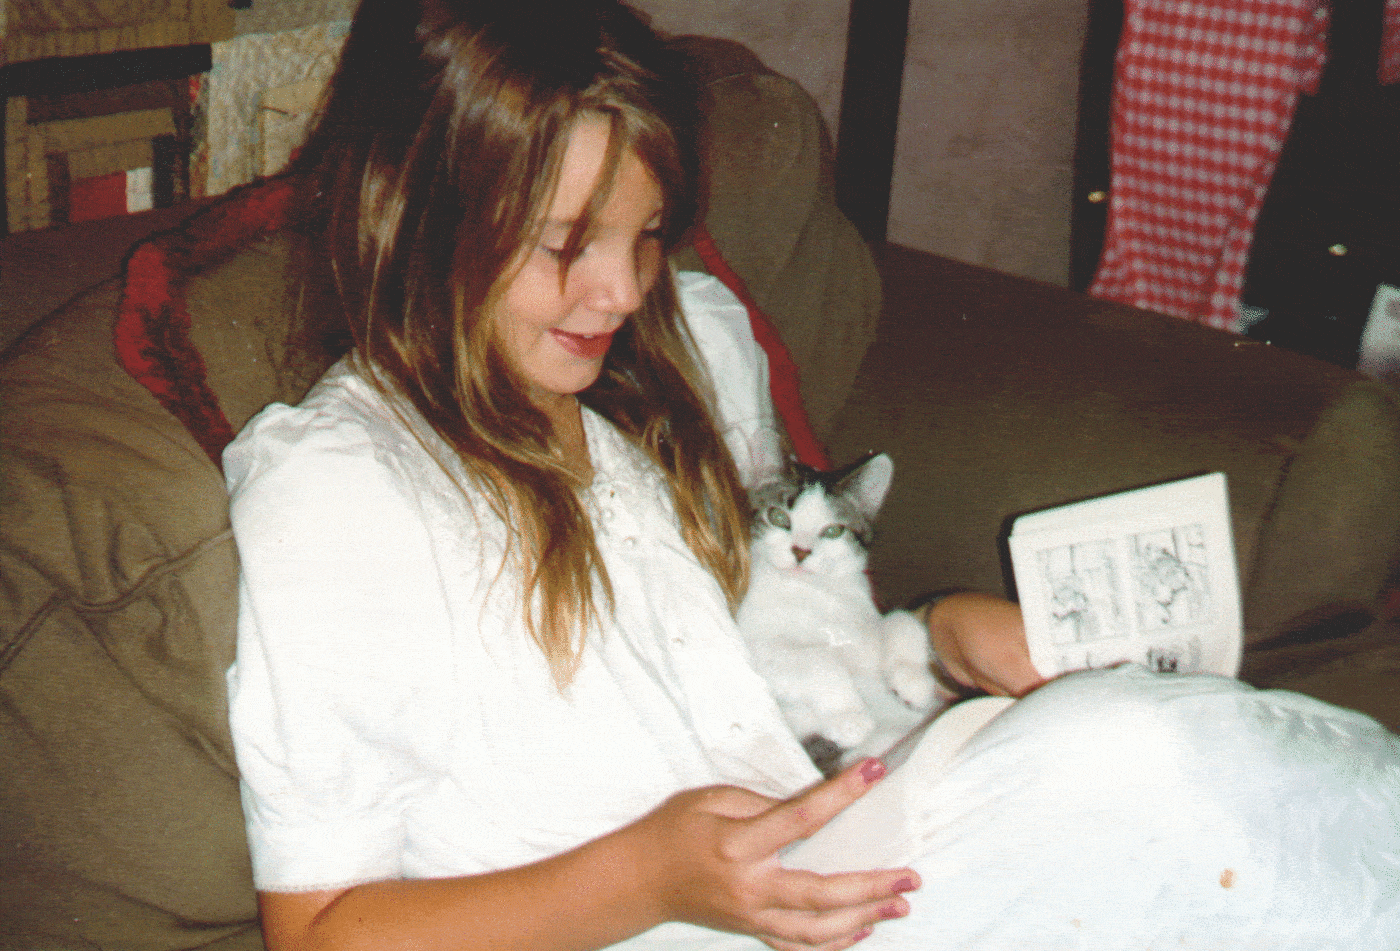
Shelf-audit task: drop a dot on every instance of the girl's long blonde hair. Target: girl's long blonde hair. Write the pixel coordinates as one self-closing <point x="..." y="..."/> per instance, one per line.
<point x="435" y="156"/>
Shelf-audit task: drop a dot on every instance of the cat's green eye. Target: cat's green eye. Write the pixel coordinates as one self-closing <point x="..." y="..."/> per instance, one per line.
<point x="833" y="531"/>
<point x="778" y="518"/>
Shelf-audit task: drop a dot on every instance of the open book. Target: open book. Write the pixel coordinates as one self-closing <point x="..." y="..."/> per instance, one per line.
<point x="875" y="831"/>
<point x="1146" y="576"/>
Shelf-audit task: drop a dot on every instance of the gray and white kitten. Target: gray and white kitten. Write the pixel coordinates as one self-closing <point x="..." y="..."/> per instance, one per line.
<point x="849" y="681"/>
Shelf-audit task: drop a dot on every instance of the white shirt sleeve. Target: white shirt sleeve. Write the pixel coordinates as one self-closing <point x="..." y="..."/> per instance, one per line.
<point x="341" y="611"/>
<point x="738" y="370"/>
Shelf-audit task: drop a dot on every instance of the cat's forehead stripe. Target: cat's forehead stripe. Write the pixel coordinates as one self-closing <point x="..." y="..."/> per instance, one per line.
<point x="812" y="504"/>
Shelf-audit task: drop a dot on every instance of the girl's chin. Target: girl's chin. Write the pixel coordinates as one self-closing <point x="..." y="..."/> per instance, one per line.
<point x="545" y="393"/>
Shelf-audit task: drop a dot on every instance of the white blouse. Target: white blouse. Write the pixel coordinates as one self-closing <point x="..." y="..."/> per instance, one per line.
<point x="392" y="717"/>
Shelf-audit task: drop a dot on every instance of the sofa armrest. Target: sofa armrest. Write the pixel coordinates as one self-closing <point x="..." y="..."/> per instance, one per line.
<point x="120" y="823"/>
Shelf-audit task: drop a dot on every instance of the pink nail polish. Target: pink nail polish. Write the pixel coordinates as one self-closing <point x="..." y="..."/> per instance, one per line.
<point x="871" y="770"/>
<point x="904" y="885"/>
<point x="862" y="934"/>
<point x="890" y="912"/>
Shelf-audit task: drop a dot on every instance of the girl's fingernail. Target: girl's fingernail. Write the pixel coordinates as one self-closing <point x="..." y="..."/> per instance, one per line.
<point x="862" y="934"/>
<point x="871" y="770"/>
<point x="893" y="911"/>
<point x="904" y="885"/>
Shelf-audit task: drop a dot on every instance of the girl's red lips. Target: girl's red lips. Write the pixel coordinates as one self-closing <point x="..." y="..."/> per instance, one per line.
<point x="584" y="346"/>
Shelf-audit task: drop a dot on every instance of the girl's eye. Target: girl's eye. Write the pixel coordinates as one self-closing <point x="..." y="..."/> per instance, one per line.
<point x="778" y="518"/>
<point x="833" y="531"/>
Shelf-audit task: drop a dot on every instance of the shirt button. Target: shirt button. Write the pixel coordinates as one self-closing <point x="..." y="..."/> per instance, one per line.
<point x="736" y="729"/>
<point x="630" y="541"/>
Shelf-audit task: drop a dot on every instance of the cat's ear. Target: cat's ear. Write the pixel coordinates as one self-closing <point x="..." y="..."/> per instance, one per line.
<point x="867" y="484"/>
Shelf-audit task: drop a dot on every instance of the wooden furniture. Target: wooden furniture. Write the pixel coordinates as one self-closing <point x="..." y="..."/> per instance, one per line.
<point x="98" y="88"/>
<point x="869" y="125"/>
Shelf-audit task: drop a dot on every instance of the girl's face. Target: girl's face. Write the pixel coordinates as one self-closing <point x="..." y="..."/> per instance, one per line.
<point x="554" y="333"/>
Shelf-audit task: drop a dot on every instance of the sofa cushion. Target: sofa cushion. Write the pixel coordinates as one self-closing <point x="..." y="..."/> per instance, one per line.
<point x="119" y="818"/>
<point x="45" y="269"/>
<point x="1333" y="532"/>
<point x="997" y="396"/>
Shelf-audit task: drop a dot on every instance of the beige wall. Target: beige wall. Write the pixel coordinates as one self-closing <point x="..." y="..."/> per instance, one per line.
<point x="986" y="137"/>
<point x="986" y="133"/>
<point x="983" y="166"/>
<point x="804" y="39"/>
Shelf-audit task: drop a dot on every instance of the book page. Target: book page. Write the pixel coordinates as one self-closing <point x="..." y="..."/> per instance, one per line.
<point x="1147" y="576"/>
<point x="875" y="831"/>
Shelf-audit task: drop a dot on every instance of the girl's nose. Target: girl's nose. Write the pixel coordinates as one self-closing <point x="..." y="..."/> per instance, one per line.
<point x="617" y="286"/>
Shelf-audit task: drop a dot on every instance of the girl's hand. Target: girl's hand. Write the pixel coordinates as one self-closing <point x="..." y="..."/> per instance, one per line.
<point x="981" y="642"/>
<point x="710" y="857"/>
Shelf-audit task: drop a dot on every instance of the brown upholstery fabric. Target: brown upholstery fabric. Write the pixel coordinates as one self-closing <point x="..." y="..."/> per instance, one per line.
<point x="119" y="817"/>
<point x="1331" y="537"/>
<point x="773" y="214"/>
<point x="996" y="396"/>
<point x="263" y="354"/>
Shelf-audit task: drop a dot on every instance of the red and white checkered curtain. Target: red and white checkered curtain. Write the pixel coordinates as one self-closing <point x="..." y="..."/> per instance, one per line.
<point x="1390" y="43"/>
<point x="1203" y="97"/>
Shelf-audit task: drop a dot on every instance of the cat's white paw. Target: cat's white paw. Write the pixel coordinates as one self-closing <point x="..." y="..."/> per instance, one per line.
<point x="916" y="686"/>
<point x="849" y="728"/>
<point x="906" y="660"/>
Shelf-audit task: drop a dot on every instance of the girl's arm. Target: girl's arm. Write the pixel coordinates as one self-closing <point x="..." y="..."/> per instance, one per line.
<point x="707" y="856"/>
<point x="981" y="640"/>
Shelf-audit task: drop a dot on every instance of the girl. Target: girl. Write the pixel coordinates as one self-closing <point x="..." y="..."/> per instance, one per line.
<point x="488" y="692"/>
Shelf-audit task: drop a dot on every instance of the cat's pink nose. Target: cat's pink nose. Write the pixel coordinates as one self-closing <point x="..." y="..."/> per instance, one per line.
<point x="800" y="553"/>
